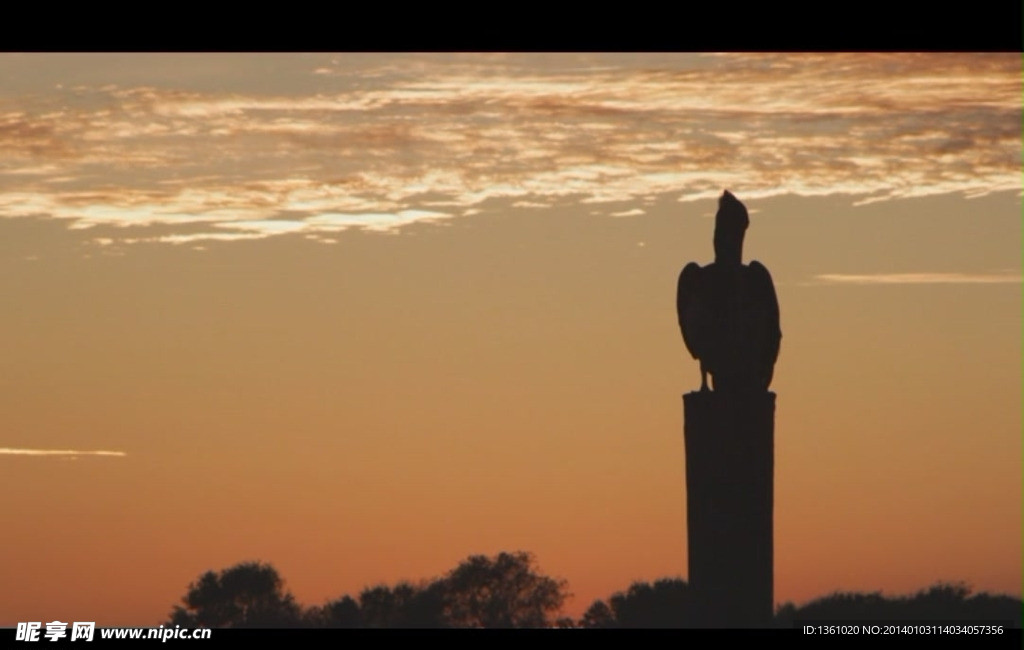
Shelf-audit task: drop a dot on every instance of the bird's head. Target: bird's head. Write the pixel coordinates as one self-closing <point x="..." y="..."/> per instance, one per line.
<point x="731" y="223"/>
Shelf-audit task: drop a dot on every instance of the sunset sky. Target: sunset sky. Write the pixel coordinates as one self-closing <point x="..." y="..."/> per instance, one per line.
<point x="363" y="315"/>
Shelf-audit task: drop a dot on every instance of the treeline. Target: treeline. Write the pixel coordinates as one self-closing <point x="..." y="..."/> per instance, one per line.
<point x="503" y="591"/>
<point x="508" y="591"/>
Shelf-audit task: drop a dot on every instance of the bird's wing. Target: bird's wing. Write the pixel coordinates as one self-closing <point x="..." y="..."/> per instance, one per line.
<point x="764" y="293"/>
<point x="688" y="307"/>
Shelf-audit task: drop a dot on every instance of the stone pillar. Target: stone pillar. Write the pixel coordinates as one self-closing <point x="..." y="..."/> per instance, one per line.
<point x="729" y="497"/>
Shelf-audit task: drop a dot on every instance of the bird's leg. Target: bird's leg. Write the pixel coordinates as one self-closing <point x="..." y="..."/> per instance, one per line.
<point x="703" y="378"/>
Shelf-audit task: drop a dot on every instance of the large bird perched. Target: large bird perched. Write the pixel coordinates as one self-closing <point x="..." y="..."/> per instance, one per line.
<point x="728" y="311"/>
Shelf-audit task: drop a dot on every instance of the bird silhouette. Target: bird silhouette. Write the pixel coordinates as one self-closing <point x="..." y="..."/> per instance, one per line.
<point x="728" y="312"/>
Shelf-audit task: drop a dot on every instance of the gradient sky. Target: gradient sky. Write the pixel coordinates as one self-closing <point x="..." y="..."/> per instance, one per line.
<point x="363" y="315"/>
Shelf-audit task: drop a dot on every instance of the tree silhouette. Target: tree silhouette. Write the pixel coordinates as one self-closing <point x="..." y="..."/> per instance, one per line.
<point x="246" y="595"/>
<point x="940" y="602"/>
<point x="598" y="615"/>
<point x="508" y="591"/>
<point x="402" y="606"/>
<point x="666" y="603"/>
<point x="343" y="612"/>
<point x="503" y="591"/>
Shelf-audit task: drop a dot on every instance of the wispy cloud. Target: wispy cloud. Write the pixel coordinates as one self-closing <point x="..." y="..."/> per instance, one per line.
<point x="383" y="141"/>
<point x="10" y="451"/>
<point x="921" y="278"/>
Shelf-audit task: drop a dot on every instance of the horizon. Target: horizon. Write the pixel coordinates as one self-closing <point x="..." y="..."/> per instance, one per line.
<point x="361" y="316"/>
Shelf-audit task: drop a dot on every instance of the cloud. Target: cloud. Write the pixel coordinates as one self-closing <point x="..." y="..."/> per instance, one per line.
<point x="334" y="222"/>
<point x="921" y="278"/>
<point x="380" y="138"/>
<point x="73" y="453"/>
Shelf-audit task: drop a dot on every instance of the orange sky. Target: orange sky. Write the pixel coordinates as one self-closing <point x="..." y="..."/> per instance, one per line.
<point x="361" y="316"/>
